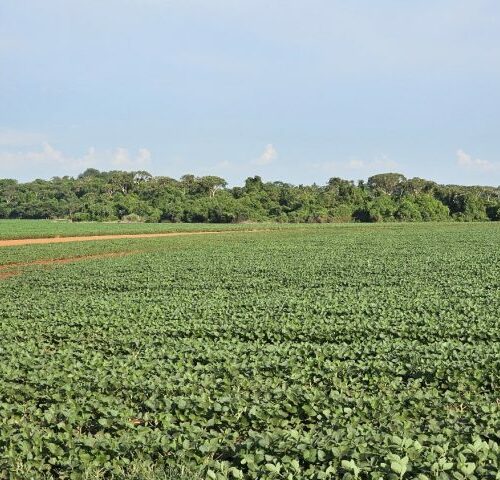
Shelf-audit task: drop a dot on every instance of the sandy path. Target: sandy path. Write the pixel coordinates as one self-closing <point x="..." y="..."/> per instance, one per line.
<point x="37" y="241"/>
<point x="56" y="261"/>
<point x="5" y="275"/>
<point x="12" y="269"/>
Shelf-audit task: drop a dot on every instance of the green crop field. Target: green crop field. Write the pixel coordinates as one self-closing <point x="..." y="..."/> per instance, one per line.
<point x="12" y="229"/>
<point x="311" y="352"/>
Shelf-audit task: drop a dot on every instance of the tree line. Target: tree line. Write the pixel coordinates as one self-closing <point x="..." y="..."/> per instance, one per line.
<point x="140" y="196"/>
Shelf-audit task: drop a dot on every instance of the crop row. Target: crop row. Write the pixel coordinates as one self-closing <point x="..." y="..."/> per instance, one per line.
<point x="321" y="353"/>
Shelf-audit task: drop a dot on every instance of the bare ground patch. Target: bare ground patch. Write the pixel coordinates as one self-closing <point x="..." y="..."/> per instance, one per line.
<point x="90" y="238"/>
<point x="12" y="269"/>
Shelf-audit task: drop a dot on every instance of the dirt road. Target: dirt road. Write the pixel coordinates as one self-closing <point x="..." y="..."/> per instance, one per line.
<point x="16" y="268"/>
<point x="92" y="238"/>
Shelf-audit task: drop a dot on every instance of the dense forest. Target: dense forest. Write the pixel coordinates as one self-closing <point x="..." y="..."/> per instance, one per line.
<point x="140" y="196"/>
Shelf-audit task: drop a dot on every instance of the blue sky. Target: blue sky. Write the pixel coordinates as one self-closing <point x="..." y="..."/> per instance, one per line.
<point x="298" y="91"/>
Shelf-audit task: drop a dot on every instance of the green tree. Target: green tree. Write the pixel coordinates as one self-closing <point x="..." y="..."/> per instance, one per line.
<point x="387" y="183"/>
<point x="407" y="211"/>
<point x="382" y="209"/>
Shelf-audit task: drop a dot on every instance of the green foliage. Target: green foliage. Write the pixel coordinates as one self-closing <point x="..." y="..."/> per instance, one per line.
<point x="387" y="183"/>
<point x="11" y="229"/>
<point x="110" y="196"/>
<point x="408" y="211"/>
<point x="470" y="208"/>
<point x="493" y="211"/>
<point x="430" y="208"/>
<point x="310" y="352"/>
<point x="342" y="213"/>
<point x="382" y="208"/>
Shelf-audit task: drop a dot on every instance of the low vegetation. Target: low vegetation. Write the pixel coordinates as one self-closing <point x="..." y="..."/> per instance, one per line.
<point x="17" y="229"/>
<point x="322" y="352"/>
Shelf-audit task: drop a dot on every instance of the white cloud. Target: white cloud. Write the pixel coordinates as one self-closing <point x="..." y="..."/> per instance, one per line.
<point x="48" y="155"/>
<point x="121" y="159"/>
<point x="19" y="138"/>
<point x="383" y="163"/>
<point x="355" y="164"/>
<point x="224" y="164"/>
<point x="378" y="165"/>
<point x="464" y="160"/>
<point x="55" y="162"/>
<point x="268" y="156"/>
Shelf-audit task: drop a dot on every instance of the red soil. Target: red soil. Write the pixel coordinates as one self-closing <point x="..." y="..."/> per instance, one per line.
<point x="91" y="238"/>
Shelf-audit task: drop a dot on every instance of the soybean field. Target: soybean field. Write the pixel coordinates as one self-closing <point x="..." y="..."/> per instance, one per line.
<point x="12" y="229"/>
<point x="311" y="352"/>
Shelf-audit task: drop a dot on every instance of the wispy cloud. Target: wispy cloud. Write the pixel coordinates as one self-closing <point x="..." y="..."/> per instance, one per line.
<point x="268" y="156"/>
<point x="383" y="162"/>
<point x="380" y="164"/>
<point x="58" y="162"/>
<point x="20" y="138"/>
<point x="355" y="164"/>
<point x="467" y="161"/>
<point x="46" y="155"/>
<point x="224" y="164"/>
<point x="122" y="159"/>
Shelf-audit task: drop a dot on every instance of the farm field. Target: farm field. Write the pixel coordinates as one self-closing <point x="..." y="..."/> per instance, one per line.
<point x="305" y="352"/>
<point x="14" y="229"/>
